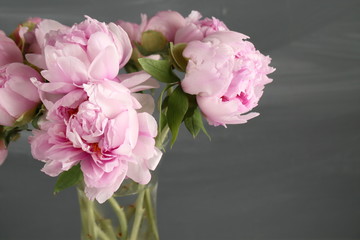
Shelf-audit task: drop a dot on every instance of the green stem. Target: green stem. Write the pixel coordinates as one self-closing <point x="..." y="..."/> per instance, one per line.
<point x="139" y="212"/>
<point x="106" y="230"/>
<point x="87" y="215"/>
<point x="121" y="216"/>
<point x="101" y="234"/>
<point x="151" y="213"/>
<point x="89" y="219"/>
<point x="162" y="136"/>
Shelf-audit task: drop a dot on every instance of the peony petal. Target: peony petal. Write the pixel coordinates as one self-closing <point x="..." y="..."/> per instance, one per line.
<point x="147" y="125"/>
<point x="103" y="188"/>
<point x="153" y="162"/>
<point x="105" y="65"/>
<point x="40" y="144"/>
<point x="146" y="101"/>
<point x="112" y="97"/>
<point x="122" y="43"/>
<point x="73" y="69"/>
<point x="10" y="52"/>
<point x="218" y="112"/>
<point x="20" y="82"/>
<point x="97" y="43"/>
<point x="139" y="173"/>
<point x="37" y="60"/>
<point x="5" y="118"/>
<point x="209" y="70"/>
<point x="144" y="147"/>
<point x="14" y="103"/>
<point x="138" y="81"/>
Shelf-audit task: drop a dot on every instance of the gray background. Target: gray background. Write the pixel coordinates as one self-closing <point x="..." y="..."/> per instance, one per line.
<point x="292" y="173"/>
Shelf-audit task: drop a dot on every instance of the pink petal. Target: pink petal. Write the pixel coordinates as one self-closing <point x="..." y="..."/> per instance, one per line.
<point x="14" y="103"/>
<point x="154" y="161"/>
<point x="40" y="144"/>
<point x="147" y="125"/>
<point x="9" y="51"/>
<point x="103" y="188"/>
<point x="74" y="70"/>
<point x="36" y="60"/>
<point x="122" y="43"/>
<point x="97" y="42"/>
<point x="146" y="101"/>
<point x="139" y="173"/>
<point x="112" y="97"/>
<point x="145" y="147"/>
<point x="138" y="81"/>
<point x="105" y="65"/>
<point x="20" y="82"/>
<point x="5" y="118"/>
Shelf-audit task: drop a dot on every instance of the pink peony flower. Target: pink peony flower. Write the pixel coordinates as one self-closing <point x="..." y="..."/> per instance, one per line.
<point x="103" y="128"/>
<point x="166" y="22"/>
<point x="88" y="51"/>
<point x="9" y="51"/>
<point x="227" y="74"/>
<point x="196" y="29"/>
<point x="40" y="33"/>
<point x="18" y="94"/>
<point x="134" y="30"/>
<point x="24" y="36"/>
<point x="3" y="152"/>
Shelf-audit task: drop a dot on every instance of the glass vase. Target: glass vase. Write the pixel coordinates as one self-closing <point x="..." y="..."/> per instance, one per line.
<point x="130" y="214"/>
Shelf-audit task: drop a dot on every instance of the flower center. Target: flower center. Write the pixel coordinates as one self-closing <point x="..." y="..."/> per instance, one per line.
<point x="95" y="148"/>
<point x="66" y="112"/>
<point x="243" y="98"/>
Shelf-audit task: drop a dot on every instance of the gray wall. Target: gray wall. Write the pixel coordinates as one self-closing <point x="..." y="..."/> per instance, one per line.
<point x="291" y="173"/>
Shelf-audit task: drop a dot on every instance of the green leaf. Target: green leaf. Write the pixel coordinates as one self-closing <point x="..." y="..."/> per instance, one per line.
<point x="194" y="123"/>
<point x="131" y="67"/>
<point x="177" y="107"/>
<point x="159" y="69"/>
<point x="10" y="134"/>
<point x="162" y="122"/>
<point x="68" y="178"/>
<point x="179" y="61"/>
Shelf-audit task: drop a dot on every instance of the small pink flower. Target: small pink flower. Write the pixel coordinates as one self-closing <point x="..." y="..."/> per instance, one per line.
<point x="227" y="74"/>
<point x="38" y="40"/>
<point x="88" y="51"/>
<point x="102" y="128"/>
<point x="3" y="152"/>
<point x="134" y="30"/>
<point x="24" y="35"/>
<point x="196" y="29"/>
<point x="166" y="22"/>
<point x="18" y="94"/>
<point x="9" y="51"/>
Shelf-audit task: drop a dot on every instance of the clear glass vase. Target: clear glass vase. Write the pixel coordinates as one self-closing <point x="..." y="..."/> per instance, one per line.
<point x="129" y="215"/>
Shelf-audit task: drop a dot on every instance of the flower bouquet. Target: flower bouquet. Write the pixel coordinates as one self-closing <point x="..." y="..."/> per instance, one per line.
<point x="88" y="91"/>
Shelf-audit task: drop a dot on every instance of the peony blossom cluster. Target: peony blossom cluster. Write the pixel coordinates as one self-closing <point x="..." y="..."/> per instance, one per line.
<point x="18" y="95"/>
<point x="224" y="71"/>
<point x="94" y="118"/>
<point x="227" y="75"/>
<point x="66" y="81"/>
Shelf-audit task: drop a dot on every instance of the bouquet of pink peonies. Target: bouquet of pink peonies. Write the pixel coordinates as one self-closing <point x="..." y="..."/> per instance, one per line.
<point x="88" y="91"/>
